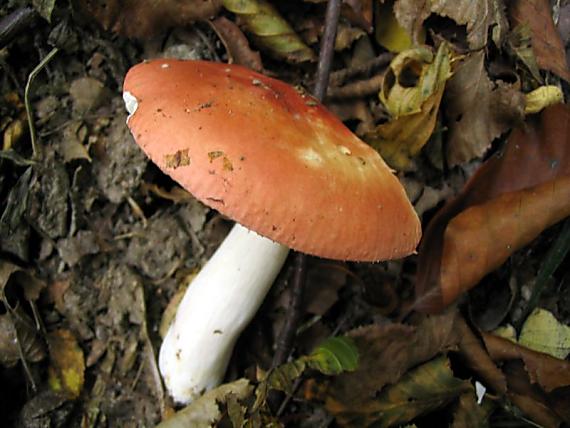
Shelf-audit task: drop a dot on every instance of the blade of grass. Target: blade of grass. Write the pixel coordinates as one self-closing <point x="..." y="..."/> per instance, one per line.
<point x="31" y="124"/>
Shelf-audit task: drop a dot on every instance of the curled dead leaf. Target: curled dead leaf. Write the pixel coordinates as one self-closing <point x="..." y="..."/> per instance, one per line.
<point x="481" y="238"/>
<point x="548" y="372"/>
<point x="237" y="45"/>
<point x="492" y="200"/>
<point x="413" y="107"/>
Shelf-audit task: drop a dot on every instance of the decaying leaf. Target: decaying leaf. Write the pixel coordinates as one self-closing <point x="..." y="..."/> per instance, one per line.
<point x="115" y="181"/>
<point x="387" y="352"/>
<point x="544" y="333"/>
<point x="537" y="405"/>
<point x="19" y="339"/>
<point x="546" y="42"/>
<point x="48" y="203"/>
<point x="477" y="110"/>
<point x="470" y="414"/>
<point x="145" y="18"/>
<point x="535" y="163"/>
<point x="413" y="106"/>
<point x="270" y="30"/>
<point x="548" y="372"/>
<point x="205" y="411"/>
<point x="14" y="230"/>
<point x="477" y="358"/>
<point x="425" y="388"/>
<point x="237" y="46"/>
<point x="479" y="17"/>
<point x="19" y="335"/>
<point x="67" y="366"/>
<point x="519" y="42"/>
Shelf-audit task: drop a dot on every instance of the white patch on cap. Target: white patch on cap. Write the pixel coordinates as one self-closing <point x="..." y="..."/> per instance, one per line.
<point x="131" y="103"/>
<point x="164" y="65"/>
<point x="310" y="157"/>
<point x="345" y="150"/>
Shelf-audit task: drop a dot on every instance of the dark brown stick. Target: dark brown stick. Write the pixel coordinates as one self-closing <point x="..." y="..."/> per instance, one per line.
<point x="339" y="77"/>
<point x="327" y="49"/>
<point x="14" y="23"/>
<point x="293" y="316"/>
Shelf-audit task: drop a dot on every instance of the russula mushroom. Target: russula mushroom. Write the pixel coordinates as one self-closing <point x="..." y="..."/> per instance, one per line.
<point x="274" y="160"/>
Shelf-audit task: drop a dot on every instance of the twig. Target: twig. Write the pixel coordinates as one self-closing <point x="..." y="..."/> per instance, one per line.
<point x="327" y="49"/>
<point x="29" y="112"/>
<point x="287" y="334"/>
<point x="14" y="23"/>
<point x="359" y="89"/>
<point x="339" y="77"/>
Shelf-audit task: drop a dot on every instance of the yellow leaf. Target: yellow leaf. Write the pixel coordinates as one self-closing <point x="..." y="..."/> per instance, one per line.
<point x="542" y="332"/>
<point x="542" y="97"/>
<point x="67" y="365"/>
<point x="389" y="33"/>
<point x="411" y="92"/>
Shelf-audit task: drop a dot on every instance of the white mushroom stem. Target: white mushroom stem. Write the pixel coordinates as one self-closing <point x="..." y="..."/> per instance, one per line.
<point x="219" y="303"/>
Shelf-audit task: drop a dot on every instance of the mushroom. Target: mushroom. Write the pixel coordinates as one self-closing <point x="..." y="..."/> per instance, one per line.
<point x="273" y="159"/>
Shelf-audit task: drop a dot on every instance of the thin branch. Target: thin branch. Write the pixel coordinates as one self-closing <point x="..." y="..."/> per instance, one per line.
<point x="327" y="49"/>
<point x="293" y="316"/>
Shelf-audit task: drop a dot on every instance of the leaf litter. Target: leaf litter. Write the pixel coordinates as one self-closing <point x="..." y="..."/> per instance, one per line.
<point x="95" y="240"/>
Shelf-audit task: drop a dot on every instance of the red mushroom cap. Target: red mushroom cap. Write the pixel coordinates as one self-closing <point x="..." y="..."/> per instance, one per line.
<point x="270" y="157"/>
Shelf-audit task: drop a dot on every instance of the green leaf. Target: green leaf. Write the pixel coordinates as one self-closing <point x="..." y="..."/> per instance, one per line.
<point x="334" y="356"/>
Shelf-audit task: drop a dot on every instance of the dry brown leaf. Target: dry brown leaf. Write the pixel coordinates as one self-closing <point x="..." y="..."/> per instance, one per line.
<point x="145" y="18"/>
<point x="529" y="398"/>
<point x="19" y="338"/>
<point x="549" y="372"/>
<point x="477" y="111"/>
<point x="421" y="390"/>
<point x="470" y="414"/>
<point x="477" y="358"/>
<point x="481" y="238"/>
<point x="389" y="351"/>
<point x="478" y="16"/>
<point x="237" y="45"/>
<point x="546" y="42"/>
<point x="359" y="12"/>
<point x="534" y="155"/>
